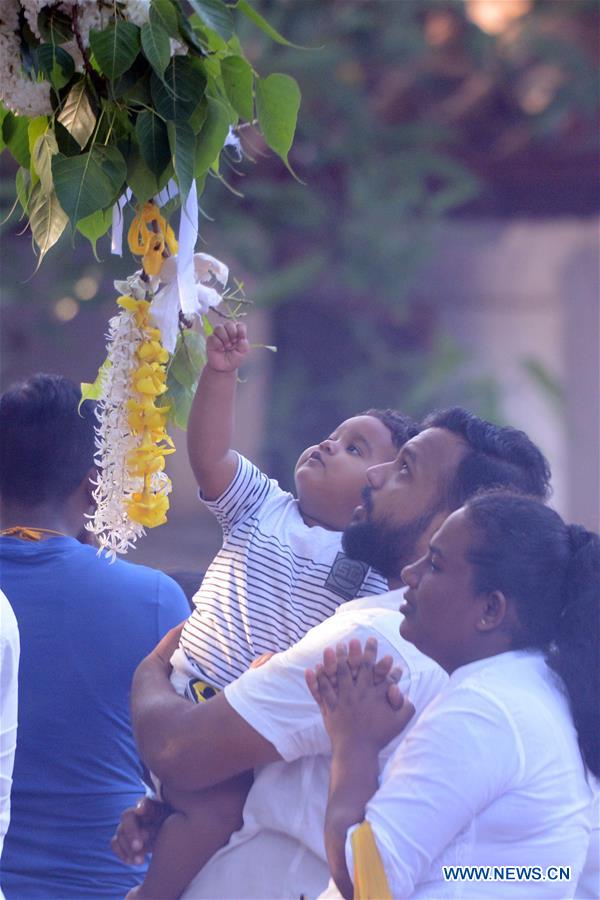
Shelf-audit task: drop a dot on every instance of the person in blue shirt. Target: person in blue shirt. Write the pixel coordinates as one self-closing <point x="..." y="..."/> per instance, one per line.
<point x="85" y="624"/>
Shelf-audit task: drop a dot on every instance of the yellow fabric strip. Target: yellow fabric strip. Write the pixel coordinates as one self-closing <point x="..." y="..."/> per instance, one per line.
<point x="28" y="534"/>
<point x="370" y="882"/>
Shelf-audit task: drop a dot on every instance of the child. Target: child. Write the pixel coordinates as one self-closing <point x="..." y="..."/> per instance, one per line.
<point x="279" y="572"/>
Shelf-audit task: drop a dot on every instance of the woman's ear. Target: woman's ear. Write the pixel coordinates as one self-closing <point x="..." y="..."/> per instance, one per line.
<point x="494" y="611"/>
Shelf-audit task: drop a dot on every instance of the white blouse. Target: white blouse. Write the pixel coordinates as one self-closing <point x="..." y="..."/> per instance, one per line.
<point x="490" y="776"/>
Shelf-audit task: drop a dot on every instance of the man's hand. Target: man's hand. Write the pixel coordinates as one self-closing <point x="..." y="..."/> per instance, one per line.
<point x="167" y="646"/>
<point x="227" y="347"/>
<point x="137" y="830"/>
<point x="358" y="696"/>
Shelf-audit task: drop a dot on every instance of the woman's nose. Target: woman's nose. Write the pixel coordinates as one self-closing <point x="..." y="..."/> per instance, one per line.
<point x="410" y="574"/>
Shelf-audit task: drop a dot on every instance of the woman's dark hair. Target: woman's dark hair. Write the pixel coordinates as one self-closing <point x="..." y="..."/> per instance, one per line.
<point x="46" y="446"/>
<point x="401" y="427"/>
<point x="551" y="571"/>
<point x="497" y="456"/>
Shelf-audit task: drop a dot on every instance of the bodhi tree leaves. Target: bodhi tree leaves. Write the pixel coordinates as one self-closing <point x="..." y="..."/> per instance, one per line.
<point x="148" y="103"/>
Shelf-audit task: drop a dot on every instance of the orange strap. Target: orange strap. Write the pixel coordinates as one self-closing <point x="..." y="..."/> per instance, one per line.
<point x="28" y="534"/>
<point x="370" y="882"/>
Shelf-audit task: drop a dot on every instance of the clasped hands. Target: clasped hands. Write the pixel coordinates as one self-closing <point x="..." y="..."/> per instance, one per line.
<point x="358" y="695"/>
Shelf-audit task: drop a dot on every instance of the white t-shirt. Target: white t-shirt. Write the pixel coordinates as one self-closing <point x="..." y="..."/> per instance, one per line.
<point x="9" y="667"/>
<point x="491" y="775"/>
<point x="273" y="579"/>
<point x="279" y="852"/>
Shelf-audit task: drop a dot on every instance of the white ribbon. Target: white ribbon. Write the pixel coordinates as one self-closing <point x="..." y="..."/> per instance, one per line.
<point x="188" y="235"/>
<point x="116" y="238"/>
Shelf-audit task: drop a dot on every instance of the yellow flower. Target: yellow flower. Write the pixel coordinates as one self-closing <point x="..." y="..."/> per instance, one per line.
<point x="139" y="308"/>
<point x="148" y="234"/>
<point x="145" y="416"/>
<point x="152" y="351"/>
<point x="148" y="509"/>
<point x="149" y="378"/>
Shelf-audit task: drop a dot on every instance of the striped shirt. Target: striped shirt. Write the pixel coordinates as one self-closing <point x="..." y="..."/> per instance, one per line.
<point x="273" y="579"/>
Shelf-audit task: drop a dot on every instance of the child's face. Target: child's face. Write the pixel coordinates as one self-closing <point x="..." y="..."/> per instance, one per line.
<point x="330" y="476"/>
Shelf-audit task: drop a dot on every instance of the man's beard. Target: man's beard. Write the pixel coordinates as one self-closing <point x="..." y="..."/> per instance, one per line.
<point x="387" y="548"/>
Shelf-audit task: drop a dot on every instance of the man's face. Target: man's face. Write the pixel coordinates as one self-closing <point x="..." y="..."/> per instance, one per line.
<point x="401" y="500"/>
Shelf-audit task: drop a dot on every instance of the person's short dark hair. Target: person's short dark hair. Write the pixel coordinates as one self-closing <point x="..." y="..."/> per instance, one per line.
<point x="46" y="445"/>
<point x="401" y="427"/>
<point x="498" y="456"/>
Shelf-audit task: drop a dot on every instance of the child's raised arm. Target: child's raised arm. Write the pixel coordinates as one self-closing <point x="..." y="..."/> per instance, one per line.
<point x="212" y="417"/>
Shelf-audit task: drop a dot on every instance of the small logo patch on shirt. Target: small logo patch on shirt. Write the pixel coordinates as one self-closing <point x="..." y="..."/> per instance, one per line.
<point x="346" y="576"/>
<point x="199" y="691"/>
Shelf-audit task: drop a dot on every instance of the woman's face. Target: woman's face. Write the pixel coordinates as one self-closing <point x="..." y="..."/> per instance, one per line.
<point x="441" y="609"/>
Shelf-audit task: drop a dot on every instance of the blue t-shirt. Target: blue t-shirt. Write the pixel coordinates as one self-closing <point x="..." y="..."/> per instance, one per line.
<point x="84" y="625"/>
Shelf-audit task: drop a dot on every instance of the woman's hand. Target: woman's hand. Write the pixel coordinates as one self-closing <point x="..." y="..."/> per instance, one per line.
<point x="358" y="696"/>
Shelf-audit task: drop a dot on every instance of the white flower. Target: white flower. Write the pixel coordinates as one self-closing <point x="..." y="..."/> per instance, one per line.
<point x="136" y="286"/>
<point x="166" y="304"/>
<point x="137" y="11"/>
<point x="115" y="531"/>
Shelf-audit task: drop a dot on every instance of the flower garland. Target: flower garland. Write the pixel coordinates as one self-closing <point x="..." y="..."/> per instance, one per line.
<point x="131" y="439"/>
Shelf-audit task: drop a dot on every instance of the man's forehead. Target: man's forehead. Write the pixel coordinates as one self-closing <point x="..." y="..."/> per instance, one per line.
<point x="436" y="447"/>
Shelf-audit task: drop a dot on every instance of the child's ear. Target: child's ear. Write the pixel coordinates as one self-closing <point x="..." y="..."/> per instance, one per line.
<point x="494" y="611"/>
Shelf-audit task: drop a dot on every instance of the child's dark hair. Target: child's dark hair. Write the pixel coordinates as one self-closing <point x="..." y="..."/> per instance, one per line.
<point x="401" y="427"/>
<point x="497" y="457"/>
<point x="47" y="446"/>
<point x="551" y="571"/>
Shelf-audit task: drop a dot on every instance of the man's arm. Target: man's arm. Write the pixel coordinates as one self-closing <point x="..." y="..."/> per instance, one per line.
<point x="189" y="746"/>
<point x="212" y="417"/>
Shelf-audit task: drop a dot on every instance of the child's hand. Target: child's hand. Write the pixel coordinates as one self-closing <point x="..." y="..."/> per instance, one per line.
<point x="227" y="347"/>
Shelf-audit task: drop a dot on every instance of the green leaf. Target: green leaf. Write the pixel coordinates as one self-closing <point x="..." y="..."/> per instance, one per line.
<point x="182" y="376"/>
<point x="209" y="142"/>
<point x="35" y="128"/>
<point x="163" y="13"/>
<point x="94" y="391"/>
<point x="277" y="105"/>
<point x="140" y="178"/>
<point x="47" y="220"/>
<point x="77" y="115"/>
<point x="56" y="64"/>
<point x="54" y="26"/>
<point x="16" y="137"/>
<point x="153" y="140"/>
<point x="95" y="226"/>
<point x="22" y="187"/>
<point x="178" y="93"/>
<point x="183" y="147"/>
<point x="156" y="46"/>
<point x="216" y="15"/>
<point x="115" y="48"/>
<point x="43" y="150"/>
<point x="87" y="183"/>
<point x="189" y="358"/>
<point x="250" y="13"/>
<point x="238" y="79"/>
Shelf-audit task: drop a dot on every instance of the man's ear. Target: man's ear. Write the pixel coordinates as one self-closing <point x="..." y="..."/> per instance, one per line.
<point x="494" y="611"/>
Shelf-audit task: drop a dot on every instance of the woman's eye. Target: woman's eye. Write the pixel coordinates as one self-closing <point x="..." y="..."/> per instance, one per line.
<point x="433" y="566"/>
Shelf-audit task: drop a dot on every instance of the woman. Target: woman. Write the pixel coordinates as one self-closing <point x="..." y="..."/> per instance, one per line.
<point x="496" y="771"/>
